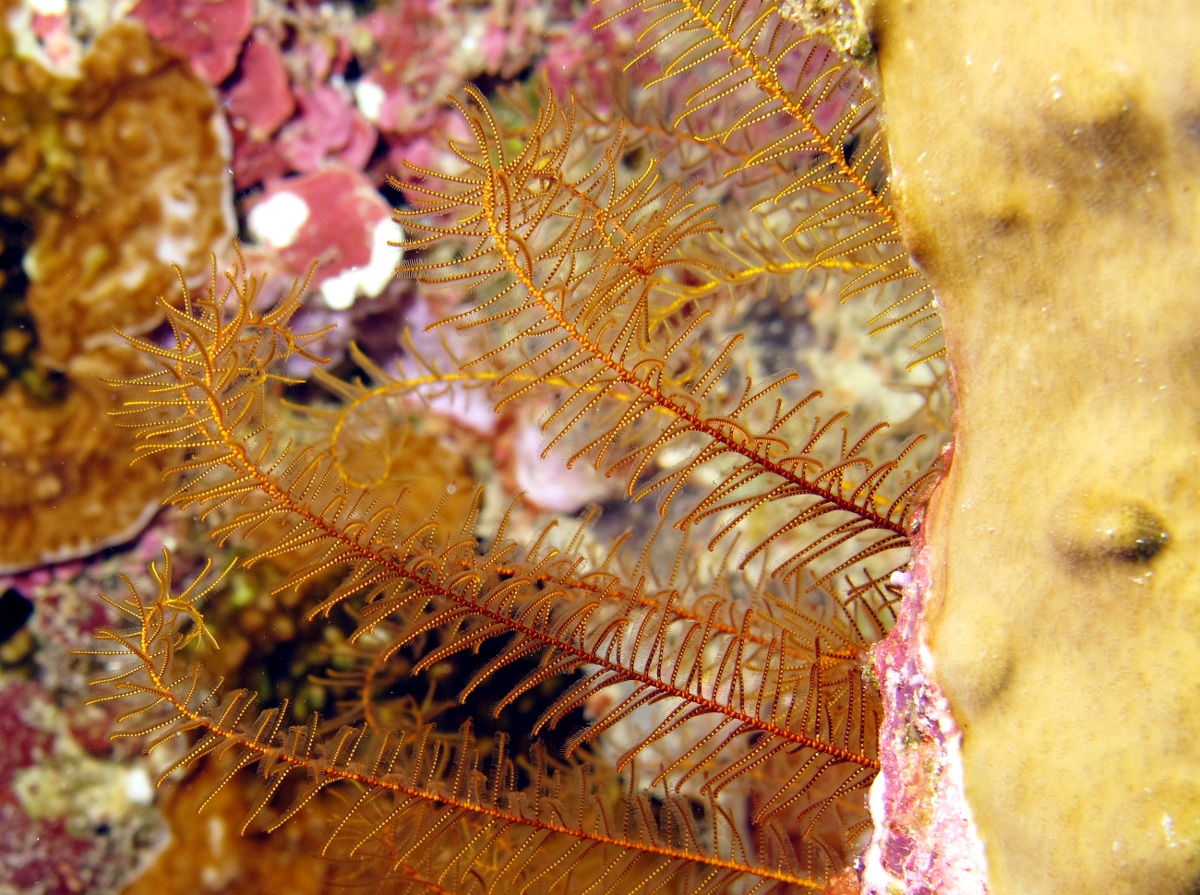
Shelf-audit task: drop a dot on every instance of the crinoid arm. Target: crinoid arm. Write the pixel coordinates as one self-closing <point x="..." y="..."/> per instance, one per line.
<point x="429" y="811"/>
<point x="751" y="698"/>
<point x="571" y="263"/>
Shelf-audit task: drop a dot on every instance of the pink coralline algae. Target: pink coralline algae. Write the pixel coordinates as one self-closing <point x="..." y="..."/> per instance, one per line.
<point x="545" y="480"/>
<point x="328" y="127"/>
<point x="209" y="33"/>
<point x="337" y="217"/>
<point x="261" y="100"/>
<point x="46" y="858"/>
<point x="924" y="841"/>
<point x="582" y="60"/>
<point x="306" y="84"/>
<point x="411" y="68"/>
<point x="71" y="819"/>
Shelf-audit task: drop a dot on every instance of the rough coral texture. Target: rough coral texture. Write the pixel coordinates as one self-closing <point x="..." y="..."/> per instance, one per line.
<point x="207" y="32"/>
<point x="925" y="841"/>
<point x="76" y="807"/>
<point x="139" y="160"/>
<point x="73" y="821"/>
<point x="1047" y="169"/>
<point x="110" y="176"/>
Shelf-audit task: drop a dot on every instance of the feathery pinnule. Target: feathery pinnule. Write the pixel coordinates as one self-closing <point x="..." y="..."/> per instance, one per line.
<point x="730" y="728"/>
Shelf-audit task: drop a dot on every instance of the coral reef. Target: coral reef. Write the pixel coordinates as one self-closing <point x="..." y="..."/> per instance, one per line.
<point x="319" y="107"/>
<point x="78" y="811"/>
<point x="1052" y="594"/>
<point x="589" y="288"/>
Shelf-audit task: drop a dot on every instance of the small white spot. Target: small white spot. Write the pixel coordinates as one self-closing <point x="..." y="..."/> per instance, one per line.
<point x="277" y="221"/>
<point x="139" y="788"/>
<point x="215" y="833"/>
<point x="1168" y="825"/>
<point x="369" y="97"/>
<point x="48" y="7"/>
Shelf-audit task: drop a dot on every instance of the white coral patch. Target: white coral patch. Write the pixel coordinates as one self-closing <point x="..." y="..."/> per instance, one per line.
<point x="277" y="221"/>
<point x="369" y="280"/>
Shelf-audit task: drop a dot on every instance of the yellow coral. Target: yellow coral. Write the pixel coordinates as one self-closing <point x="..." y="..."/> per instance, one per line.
<point x="113" y="173"/>
<point x="1055" y="211"/>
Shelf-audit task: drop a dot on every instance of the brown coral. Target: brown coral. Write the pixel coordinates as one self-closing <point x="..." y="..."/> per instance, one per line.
<point x="105" y="175"/>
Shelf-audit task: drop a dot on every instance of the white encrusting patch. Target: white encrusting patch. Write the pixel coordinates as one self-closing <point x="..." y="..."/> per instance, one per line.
<point x="340" y="290"/>
<point x="277" y="221"/>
